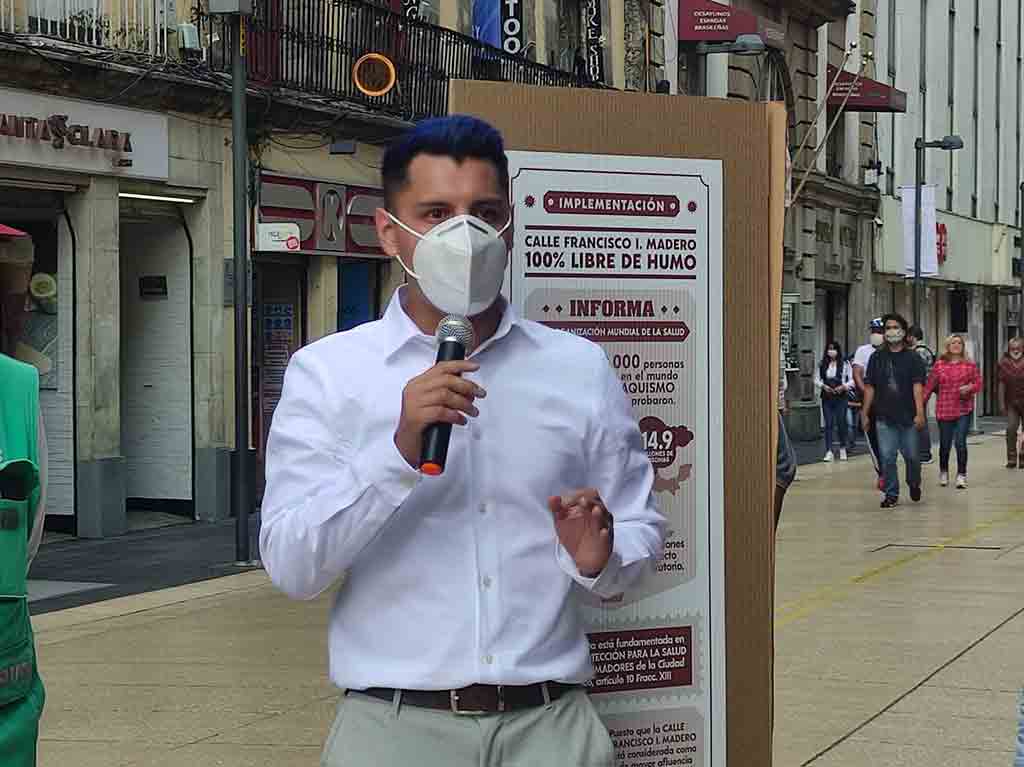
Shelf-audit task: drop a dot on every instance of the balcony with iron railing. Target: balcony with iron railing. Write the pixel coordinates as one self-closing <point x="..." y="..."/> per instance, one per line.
<point x="303" y="48"/>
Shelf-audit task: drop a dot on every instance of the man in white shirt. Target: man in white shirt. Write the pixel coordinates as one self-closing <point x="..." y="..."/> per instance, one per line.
<point x="860" y="366"/>
<point x="461" y="590"/>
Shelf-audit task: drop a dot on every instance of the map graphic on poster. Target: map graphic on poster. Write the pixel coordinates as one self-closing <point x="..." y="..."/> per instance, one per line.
<point x="627" y="252"/>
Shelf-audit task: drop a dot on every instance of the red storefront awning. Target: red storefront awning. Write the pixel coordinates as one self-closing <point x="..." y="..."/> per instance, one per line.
<point x="866" y="95"/>
<point x="10" y="231"/>
<point x="703" y="21"/>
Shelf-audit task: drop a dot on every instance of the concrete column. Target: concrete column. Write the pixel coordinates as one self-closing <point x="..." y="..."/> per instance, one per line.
<point x="100" y="466"/>
<point x="205" y="222"/>
<point x="805" y="416"/>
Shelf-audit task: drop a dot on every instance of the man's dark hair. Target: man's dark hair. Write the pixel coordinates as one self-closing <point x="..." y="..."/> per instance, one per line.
<point x="916" y="332"/>
<point x="898" y="318"/>
<point x="456" y="136"/>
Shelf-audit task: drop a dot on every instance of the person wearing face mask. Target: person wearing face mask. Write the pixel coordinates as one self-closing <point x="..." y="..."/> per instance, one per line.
<point x="861" y="359"/>
<point x="915" y="341"/>
<point x="23" y="475"/>
<point x="957" y="380"/>
<point x="461" y="591"/>
<point x="894" y="403"/>
<point x="1011" y="397"/>
<point x="834" y="379"/>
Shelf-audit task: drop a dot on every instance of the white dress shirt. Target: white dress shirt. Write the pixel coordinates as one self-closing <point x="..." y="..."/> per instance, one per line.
<point x="457" y="579"/>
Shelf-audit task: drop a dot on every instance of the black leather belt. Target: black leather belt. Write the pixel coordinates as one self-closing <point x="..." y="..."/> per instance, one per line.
<point x="477" y="699"/>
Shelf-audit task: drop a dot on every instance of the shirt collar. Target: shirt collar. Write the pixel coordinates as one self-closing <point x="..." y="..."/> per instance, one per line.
<point x="402" y="331"/>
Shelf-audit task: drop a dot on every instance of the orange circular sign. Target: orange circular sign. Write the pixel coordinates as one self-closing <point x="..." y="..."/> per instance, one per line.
<point x="374" y="74"/>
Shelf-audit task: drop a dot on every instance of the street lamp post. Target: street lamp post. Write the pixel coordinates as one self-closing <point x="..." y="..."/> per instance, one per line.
<point x="949" y="144"/>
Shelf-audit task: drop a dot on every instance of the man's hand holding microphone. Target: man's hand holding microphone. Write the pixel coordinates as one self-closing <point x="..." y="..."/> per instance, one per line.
<point x="440" y="395"/>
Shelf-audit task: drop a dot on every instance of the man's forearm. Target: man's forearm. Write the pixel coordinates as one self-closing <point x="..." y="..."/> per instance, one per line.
<point x="919" y="398"/>
<point x="869" y="399"/>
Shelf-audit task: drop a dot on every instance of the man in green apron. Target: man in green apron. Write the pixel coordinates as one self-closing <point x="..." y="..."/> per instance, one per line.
<point x="22" y="477"/>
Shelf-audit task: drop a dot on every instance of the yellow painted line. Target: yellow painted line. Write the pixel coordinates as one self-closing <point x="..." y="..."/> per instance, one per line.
<point x="829" y="595"/>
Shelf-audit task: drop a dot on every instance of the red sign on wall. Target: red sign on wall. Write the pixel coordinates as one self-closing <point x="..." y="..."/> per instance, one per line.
<point x="709" y="22"/>
<point x="941" y="242"/>
<point x="333" y="218"/>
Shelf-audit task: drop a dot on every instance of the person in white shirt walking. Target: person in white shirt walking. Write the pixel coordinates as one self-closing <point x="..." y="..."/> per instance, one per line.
<point x="861" y="359"/>
<point x="461" y="590"/>
<point x="834" y="379"/>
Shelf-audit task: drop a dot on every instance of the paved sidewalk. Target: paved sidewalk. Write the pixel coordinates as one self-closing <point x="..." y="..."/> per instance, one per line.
<point x="899" y="643"/>
<point x="900" y="634"/>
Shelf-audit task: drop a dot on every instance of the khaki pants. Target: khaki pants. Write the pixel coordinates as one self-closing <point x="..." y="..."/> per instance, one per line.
<point x="372" y="733"/>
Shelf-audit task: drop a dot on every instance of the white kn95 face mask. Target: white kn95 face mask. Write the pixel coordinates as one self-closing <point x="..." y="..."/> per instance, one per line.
<point x="460" y="264"/>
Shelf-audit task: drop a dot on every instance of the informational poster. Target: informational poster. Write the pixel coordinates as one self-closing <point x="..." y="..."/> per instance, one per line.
<point x="278" y="332"/>
<point x="28" y="265"/>
<point x="627" y="252"/>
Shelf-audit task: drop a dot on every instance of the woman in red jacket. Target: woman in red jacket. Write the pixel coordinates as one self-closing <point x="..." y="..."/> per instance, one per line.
<point x="957" y="380"/>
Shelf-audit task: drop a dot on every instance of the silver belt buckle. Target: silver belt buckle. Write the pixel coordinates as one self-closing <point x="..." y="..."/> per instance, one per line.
<point x="453" y="696"/>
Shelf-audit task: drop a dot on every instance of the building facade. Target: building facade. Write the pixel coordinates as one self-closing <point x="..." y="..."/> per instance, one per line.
<point x="126" y="214"/>
<point x="962" y="67"/>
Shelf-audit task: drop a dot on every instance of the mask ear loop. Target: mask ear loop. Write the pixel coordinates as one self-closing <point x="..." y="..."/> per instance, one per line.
<point x="415" y="234"/>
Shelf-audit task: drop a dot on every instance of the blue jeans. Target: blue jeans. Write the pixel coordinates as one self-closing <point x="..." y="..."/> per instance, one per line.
<point x="834" y="410"/>
<point x="954" y="433"/>
<point x="894" y="439"/>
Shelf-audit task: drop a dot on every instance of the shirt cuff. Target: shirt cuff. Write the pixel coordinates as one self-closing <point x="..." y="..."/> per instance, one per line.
<point x="603" y="584"/>
<point x="389" y="472"/>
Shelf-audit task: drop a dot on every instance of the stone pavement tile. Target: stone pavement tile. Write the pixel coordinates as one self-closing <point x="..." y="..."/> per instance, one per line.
<point x="857" y="753"/>
<point x="193" y="676"/>
<point x="939" y="702"/>
<point x="799" y="746"/>
<point x="234" y="755"/>
<point x="305" y="726"/>
<point x="139" y="726"/>
<point x="91" y="753"/>
<point x="945" y="731"/>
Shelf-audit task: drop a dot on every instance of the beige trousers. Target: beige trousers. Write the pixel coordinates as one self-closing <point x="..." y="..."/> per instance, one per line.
<point x="372" y="733"/>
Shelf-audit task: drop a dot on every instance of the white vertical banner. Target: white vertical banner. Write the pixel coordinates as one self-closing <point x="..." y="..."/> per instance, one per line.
<point x="627" y="252"/>
<point x="929" y="251"/>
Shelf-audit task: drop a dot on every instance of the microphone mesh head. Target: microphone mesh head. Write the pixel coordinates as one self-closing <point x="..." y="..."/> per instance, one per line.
<point x="455" y="328"/>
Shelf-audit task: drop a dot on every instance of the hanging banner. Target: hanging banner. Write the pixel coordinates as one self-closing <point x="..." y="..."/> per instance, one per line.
<point x="627" y="252"/>
<point x="408" y="8"/>
<point x="929" y="249"/>
<point x="500" y="23"/>
<point x="594" y="40"/>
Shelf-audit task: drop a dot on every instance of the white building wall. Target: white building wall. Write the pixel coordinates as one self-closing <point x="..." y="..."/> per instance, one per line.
<point x="985" y="71"/>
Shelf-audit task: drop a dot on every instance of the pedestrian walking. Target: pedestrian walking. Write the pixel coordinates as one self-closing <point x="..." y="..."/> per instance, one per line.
<point x="463" y="590"/>
<point x="834" y="379"/>
<point x="22" y="486"/>
<point x="894" y="404"/>
<point x="1011" y="396"/>
<point x="957" y="380"/>
<point x="861" y="359"/>
<point x="785" y="456"/>
<point x="915" y="340"/>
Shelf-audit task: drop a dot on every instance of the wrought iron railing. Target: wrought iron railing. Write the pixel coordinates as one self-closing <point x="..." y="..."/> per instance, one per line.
<point x="145" y="27"/>
<point x="310" y="46"/>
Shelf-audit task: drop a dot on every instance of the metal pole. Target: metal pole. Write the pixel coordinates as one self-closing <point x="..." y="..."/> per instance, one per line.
<point x="918" y="183"/>
<point x="1020" y="304"/>
<point x="240" y="173"/>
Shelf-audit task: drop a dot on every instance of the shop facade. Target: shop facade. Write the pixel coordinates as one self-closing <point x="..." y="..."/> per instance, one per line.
<point x="122" y="212"/>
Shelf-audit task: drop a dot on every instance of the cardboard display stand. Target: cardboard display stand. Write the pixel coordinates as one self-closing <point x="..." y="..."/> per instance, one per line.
<point x="653" y="225"/>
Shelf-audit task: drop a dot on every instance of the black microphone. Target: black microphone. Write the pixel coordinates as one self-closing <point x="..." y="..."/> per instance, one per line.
<point x="455" y="338"/>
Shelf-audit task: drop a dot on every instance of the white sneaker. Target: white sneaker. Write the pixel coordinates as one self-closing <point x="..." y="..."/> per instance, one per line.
<point x="829" y="457"/>
<point x="961" y="482"/>
<point x="842" y="454"/>
<point x="944" y="479"/>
